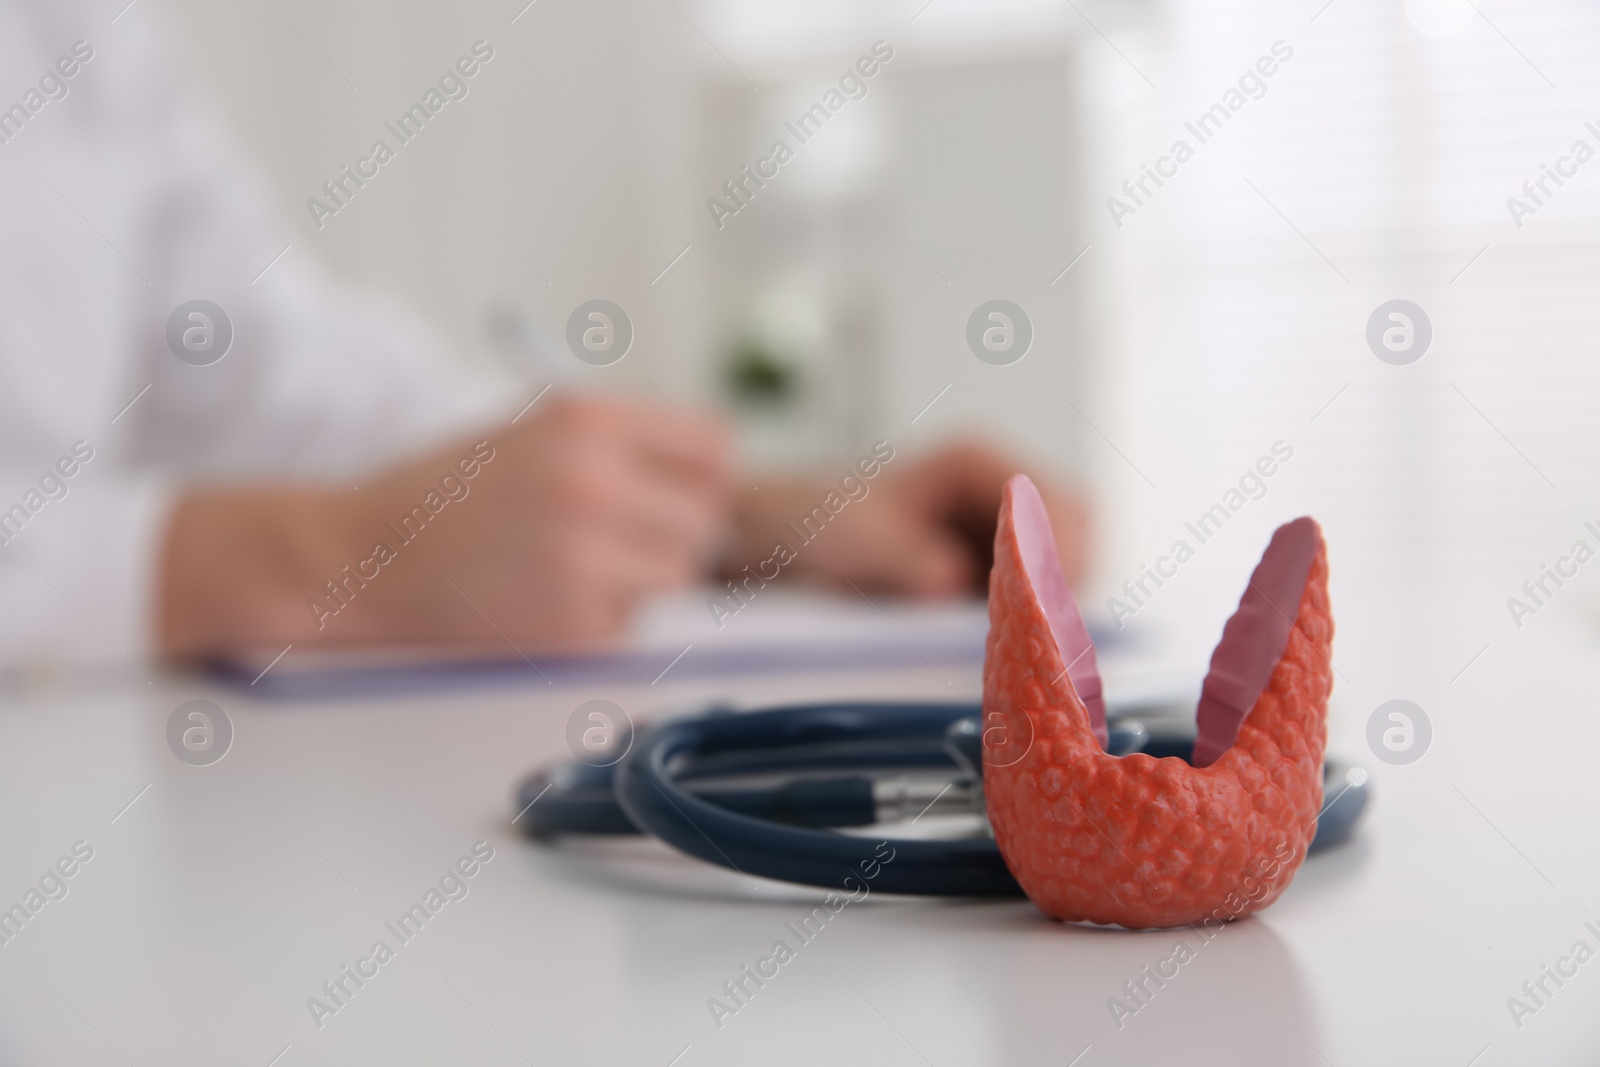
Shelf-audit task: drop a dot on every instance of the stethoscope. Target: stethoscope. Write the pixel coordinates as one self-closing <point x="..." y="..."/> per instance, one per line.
<point x="767" y="793"/>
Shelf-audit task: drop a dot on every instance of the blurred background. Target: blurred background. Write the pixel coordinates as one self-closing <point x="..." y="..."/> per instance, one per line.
<point x="1173" y="345"/>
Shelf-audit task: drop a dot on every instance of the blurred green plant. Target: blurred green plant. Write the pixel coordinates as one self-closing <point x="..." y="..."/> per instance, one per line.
<point x="757" y="377"/>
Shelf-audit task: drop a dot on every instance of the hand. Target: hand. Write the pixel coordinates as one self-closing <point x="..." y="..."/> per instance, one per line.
<point x="564" y="523"/>
<point x="924" y="529"/>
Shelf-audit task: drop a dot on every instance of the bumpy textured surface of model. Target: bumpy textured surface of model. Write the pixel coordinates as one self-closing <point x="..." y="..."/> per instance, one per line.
<point x="1135" y="840"/>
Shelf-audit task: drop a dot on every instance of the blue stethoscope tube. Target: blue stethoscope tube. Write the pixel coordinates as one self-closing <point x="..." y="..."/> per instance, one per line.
<point x="667" y="786"/>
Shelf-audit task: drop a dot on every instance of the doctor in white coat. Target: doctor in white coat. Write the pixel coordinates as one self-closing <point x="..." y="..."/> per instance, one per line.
<point x="332" y="480"/>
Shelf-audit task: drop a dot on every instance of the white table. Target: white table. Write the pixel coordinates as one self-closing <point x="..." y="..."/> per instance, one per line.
<point x="224" y="896"/>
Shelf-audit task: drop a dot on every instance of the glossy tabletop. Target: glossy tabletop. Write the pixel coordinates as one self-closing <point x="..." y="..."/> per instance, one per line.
<point x="219" y="899"/>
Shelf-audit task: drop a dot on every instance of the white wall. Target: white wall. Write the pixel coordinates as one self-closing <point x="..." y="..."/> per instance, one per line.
<point x="552" y="144"/>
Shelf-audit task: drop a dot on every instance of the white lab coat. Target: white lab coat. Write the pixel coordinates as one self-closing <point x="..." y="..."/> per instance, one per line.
<point x="118" y="202"/>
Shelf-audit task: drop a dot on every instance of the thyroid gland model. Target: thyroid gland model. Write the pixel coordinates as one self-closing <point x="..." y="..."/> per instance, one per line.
<point x="1134" y="840"/>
